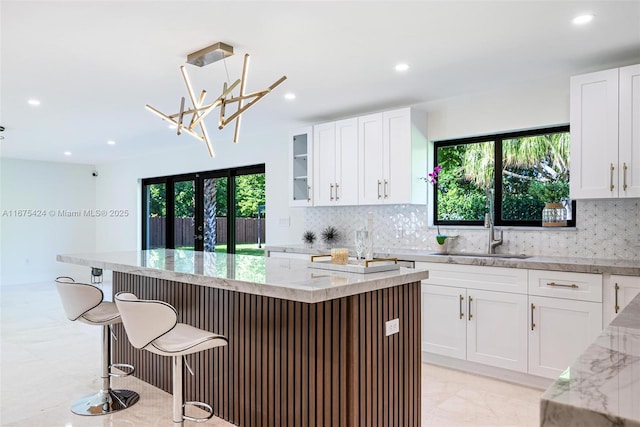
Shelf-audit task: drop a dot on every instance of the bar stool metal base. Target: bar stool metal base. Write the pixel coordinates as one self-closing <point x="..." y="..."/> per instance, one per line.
<point x="105" y="402"/>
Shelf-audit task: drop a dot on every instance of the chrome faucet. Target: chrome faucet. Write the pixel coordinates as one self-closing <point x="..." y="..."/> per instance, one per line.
<point x="493" y="242"/>
<point x="488" y="223"/>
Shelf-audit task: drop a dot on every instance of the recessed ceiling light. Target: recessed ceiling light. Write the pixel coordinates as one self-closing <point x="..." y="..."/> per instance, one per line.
<point x="33" y="102"/>
<point x="290" y="96"/>
<point x="173" y="127"/>
<point x="402" y="67"/>
<point x="67" y="153"/>
<point x="582" y="19"/>
<point x="111" y="142"/>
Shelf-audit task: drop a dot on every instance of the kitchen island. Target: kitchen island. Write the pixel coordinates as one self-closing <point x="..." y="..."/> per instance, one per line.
<point x="602" y="386"/>
<point x="306" y="346"/>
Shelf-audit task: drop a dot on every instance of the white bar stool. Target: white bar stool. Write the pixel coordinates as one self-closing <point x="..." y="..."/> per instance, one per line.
<point x="153" y="326"/>
<point x="85" y="303"/>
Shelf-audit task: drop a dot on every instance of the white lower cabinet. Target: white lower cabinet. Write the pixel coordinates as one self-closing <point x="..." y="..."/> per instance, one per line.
<point x="559" y="330"/>
<point x="530" y="321"/>
<point x="620" y="290"/>
<point x="444" y="320"/>
<point x="565" y="316"/>
<point x="480" y="326"/>
<point x="496" y="321"/>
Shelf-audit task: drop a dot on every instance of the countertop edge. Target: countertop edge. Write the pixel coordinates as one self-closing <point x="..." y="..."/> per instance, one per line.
<point x="587" y="396"/>
<point x="577" y="265"/>
<point x="274" y="290"/>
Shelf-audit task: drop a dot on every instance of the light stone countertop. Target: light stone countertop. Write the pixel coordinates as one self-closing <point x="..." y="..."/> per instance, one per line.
<point x="602" y="387"/>
<point x="272" y="277"/>
<point x="578" y="265"/>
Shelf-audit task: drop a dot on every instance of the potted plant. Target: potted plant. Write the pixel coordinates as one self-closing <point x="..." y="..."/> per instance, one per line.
<point x="441" y="239"/>
<point x="553" y="193"/>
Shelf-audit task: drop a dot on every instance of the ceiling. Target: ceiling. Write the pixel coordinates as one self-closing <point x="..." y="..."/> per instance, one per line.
<point x="94" y="65"/>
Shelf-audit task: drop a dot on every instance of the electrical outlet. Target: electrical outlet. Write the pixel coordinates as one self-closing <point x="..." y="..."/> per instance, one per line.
<point x="392" y="327"/>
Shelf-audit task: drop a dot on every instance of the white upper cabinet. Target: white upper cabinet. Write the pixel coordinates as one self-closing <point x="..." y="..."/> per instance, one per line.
<point x="605" y="134"/>
<point x="371" y="161"/>
<point x="336" y="163"/>
<point x="301" y="167"/>
<point x="393" y="157"/>
<point x="367" y="160"/>
<point x="629" y="135"/>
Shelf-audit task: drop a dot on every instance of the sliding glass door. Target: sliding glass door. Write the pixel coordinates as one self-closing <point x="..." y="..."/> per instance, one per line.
<point x="191" y="211"/>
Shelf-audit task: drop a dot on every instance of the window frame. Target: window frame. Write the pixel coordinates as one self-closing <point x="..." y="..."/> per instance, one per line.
<point x="170" y="180"/>
<point x="497" y="139"/>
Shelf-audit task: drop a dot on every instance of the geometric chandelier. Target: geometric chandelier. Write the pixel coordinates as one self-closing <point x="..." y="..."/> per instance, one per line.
<point x="189" y="119"/>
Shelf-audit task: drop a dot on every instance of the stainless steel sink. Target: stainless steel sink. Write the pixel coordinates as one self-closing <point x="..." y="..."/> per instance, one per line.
<point x="485" y="255"/>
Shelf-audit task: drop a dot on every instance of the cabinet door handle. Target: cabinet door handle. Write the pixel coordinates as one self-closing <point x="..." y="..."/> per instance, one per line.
<point x="337" y="198"/>
<point x="617" y="307"/>
<point x="379" y="184"/>
<point x="533" y="325"/>
<point x="470" y="315"/>
<point x="386" y="183"/>
<point x="308" y="193"/>
<point x="461" y="312"/>
<point x="611" y="168"/>
<point x="624" y="176"/>
<point x="573" y="285"/>
<point x="330" y="191"/>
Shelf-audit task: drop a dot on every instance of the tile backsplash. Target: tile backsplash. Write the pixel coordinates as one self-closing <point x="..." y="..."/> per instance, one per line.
<point x="604" y="229"/>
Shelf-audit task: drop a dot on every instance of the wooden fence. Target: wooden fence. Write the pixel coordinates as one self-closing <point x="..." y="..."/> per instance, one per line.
<point x="246" y="231"/>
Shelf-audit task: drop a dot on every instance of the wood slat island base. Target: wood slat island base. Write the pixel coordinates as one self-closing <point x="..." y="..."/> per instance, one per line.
<point x="291" y="363"/>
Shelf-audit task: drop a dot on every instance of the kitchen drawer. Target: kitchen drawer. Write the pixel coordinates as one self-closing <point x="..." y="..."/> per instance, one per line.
<point x="498" y="279"/>
<point x="562" y="284"/>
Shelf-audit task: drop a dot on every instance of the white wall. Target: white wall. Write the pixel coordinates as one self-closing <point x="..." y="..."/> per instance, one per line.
<point x="29" y="243"/>
<point x="528" y="105"/>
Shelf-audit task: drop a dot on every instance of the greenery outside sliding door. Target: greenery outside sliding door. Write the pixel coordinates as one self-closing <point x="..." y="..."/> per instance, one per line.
<point x="191" y="211"/>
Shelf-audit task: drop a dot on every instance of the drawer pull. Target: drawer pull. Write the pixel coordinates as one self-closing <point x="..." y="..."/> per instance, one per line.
<point x="617" y="307"/>
<point x="461" y="312"/>
<point x="470" y="315"/>
<point x="573" y="285"/>
<point x="533" y="325"/>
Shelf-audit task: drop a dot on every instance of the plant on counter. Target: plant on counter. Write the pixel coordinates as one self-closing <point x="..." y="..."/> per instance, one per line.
<point x="432" y="178"/>
<point x="309" y="237"/>
<point x="330" y="235"/>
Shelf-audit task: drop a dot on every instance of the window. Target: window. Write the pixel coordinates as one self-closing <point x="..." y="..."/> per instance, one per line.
<point x="512" y="175"/>
<point x="191" y="211"/>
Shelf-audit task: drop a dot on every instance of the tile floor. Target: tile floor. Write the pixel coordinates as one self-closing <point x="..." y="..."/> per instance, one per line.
<point x="46" y="362"/>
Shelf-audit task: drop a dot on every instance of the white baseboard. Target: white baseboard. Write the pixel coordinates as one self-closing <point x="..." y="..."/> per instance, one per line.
<point x="488" y="371"/>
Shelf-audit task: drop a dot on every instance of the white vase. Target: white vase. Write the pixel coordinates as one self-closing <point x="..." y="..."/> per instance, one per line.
<point x="442" y="248"/>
